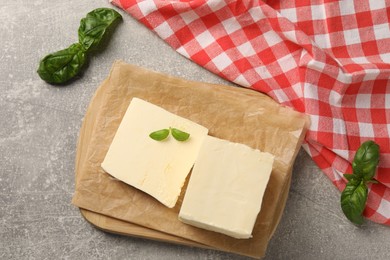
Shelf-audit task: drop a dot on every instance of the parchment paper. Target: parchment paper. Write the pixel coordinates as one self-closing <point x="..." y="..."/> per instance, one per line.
<point x="232" y="113"/>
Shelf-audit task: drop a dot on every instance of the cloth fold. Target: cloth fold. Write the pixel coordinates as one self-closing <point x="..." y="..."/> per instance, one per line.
<point x="329" y="59"/>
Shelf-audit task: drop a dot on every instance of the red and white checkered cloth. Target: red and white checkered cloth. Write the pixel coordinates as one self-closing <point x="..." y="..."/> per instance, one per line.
<point x="326" y="58"/>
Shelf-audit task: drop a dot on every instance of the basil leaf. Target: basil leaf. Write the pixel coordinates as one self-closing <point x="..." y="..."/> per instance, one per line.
<point x="179" y="135"/>
<point x="366" y="160"/>
<point x="159" y="135"/>
<point x="61" y="66"/>
<point x="353" y="200"/>
<point x="95" y="26"/>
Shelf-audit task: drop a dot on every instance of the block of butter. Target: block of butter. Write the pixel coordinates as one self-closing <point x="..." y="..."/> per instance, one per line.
<point x="158" y="168"/>
<point x="226" y="188"/>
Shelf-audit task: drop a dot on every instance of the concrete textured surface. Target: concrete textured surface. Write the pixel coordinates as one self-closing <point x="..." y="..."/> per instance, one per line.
<point x="40" y="126"/>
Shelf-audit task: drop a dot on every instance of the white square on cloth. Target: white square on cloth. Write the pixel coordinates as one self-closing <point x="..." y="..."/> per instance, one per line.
<point x="316" y="65"/>
<point x="385" y="57"/>
<point x="205" y="39"/>
<point x="371" y="74"/>
<point x="263" y="72"/>
<point x="383" y="208"/>
<point x="287" y="63"/>
<point x="242" y="81"/>
<point x="318" y="12"/>
<point x="314" y="121"/>
<point x="246" y="49"/>
<point x="164" y="30"/>
<point x="189" y="16"/>
<point x="366" y="129"/>
<point x="272" y="38"/>
<point x="363" y="101"/>
<point x="344" y="77"/>
<point x="281" y="95"/>
<point x="347" y="7"/>
<point x="290" y="14"/>
<point x="222" y="61"/>
<point x="146" y="7"/>
<point x="339" y="126"/>
<point x="360" y="60"/>
<point x="310" y="91"/>
<point x="352" y="36"/>
<point x="387" y="102"/>
<point x="231" y="25"/>
<point x="382" y="31"/>
<point x="256" y="14"/>
<point x="322" y="40"/>
<point x="335" y="98"/>
<point x="377" y="4"/>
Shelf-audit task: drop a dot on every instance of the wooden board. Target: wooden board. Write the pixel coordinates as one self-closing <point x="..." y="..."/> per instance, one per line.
<point x="293" y="129"/>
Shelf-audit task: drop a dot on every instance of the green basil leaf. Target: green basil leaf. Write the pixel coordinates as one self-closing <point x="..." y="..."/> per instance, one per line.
<point x="63" y="65"/>
<point x="366" y="160"/>
<point x="353" y="200"/>
<point x="159" y="135"/>
<point x="179" y="135"/>
<point x="95" y="26"/>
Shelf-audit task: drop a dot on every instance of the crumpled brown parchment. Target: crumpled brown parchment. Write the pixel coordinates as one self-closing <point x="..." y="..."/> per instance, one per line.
<point x="232" y="113"/>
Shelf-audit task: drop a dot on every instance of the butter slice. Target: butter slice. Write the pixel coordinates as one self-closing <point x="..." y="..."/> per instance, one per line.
<point x="226" y="188"/>
<point x="158" y="168"/>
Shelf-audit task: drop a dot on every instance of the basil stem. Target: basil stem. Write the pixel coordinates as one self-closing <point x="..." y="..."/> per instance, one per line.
<point x="62" y="66"/>
<point x="159" y="135"/>
<point x="349" y="176"/>
<point x="179" y="135"/>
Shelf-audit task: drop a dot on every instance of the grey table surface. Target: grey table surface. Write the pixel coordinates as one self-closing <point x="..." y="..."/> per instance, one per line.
<point x="39" y="129"/>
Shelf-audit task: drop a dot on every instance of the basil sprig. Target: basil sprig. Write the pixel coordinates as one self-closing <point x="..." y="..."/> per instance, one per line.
<point x="61" y="66"/>
<point x="162" y="134"/>
<point x="354" y="196"/>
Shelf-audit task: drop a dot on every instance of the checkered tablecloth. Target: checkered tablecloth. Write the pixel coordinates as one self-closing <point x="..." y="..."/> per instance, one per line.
<point x="329" y="59"/>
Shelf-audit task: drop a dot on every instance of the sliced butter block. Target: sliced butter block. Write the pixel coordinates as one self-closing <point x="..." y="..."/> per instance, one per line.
<point x="226" y="188"/>
<point x="158" y="168"/>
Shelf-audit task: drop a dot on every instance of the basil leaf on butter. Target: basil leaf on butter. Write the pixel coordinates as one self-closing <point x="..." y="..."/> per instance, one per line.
<point x="159" y="135"/>
<point x="61" y="66"/>
<point x="179" y="135"/>
<point x="95" y="26"/>
<point x="353" y="200"/>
